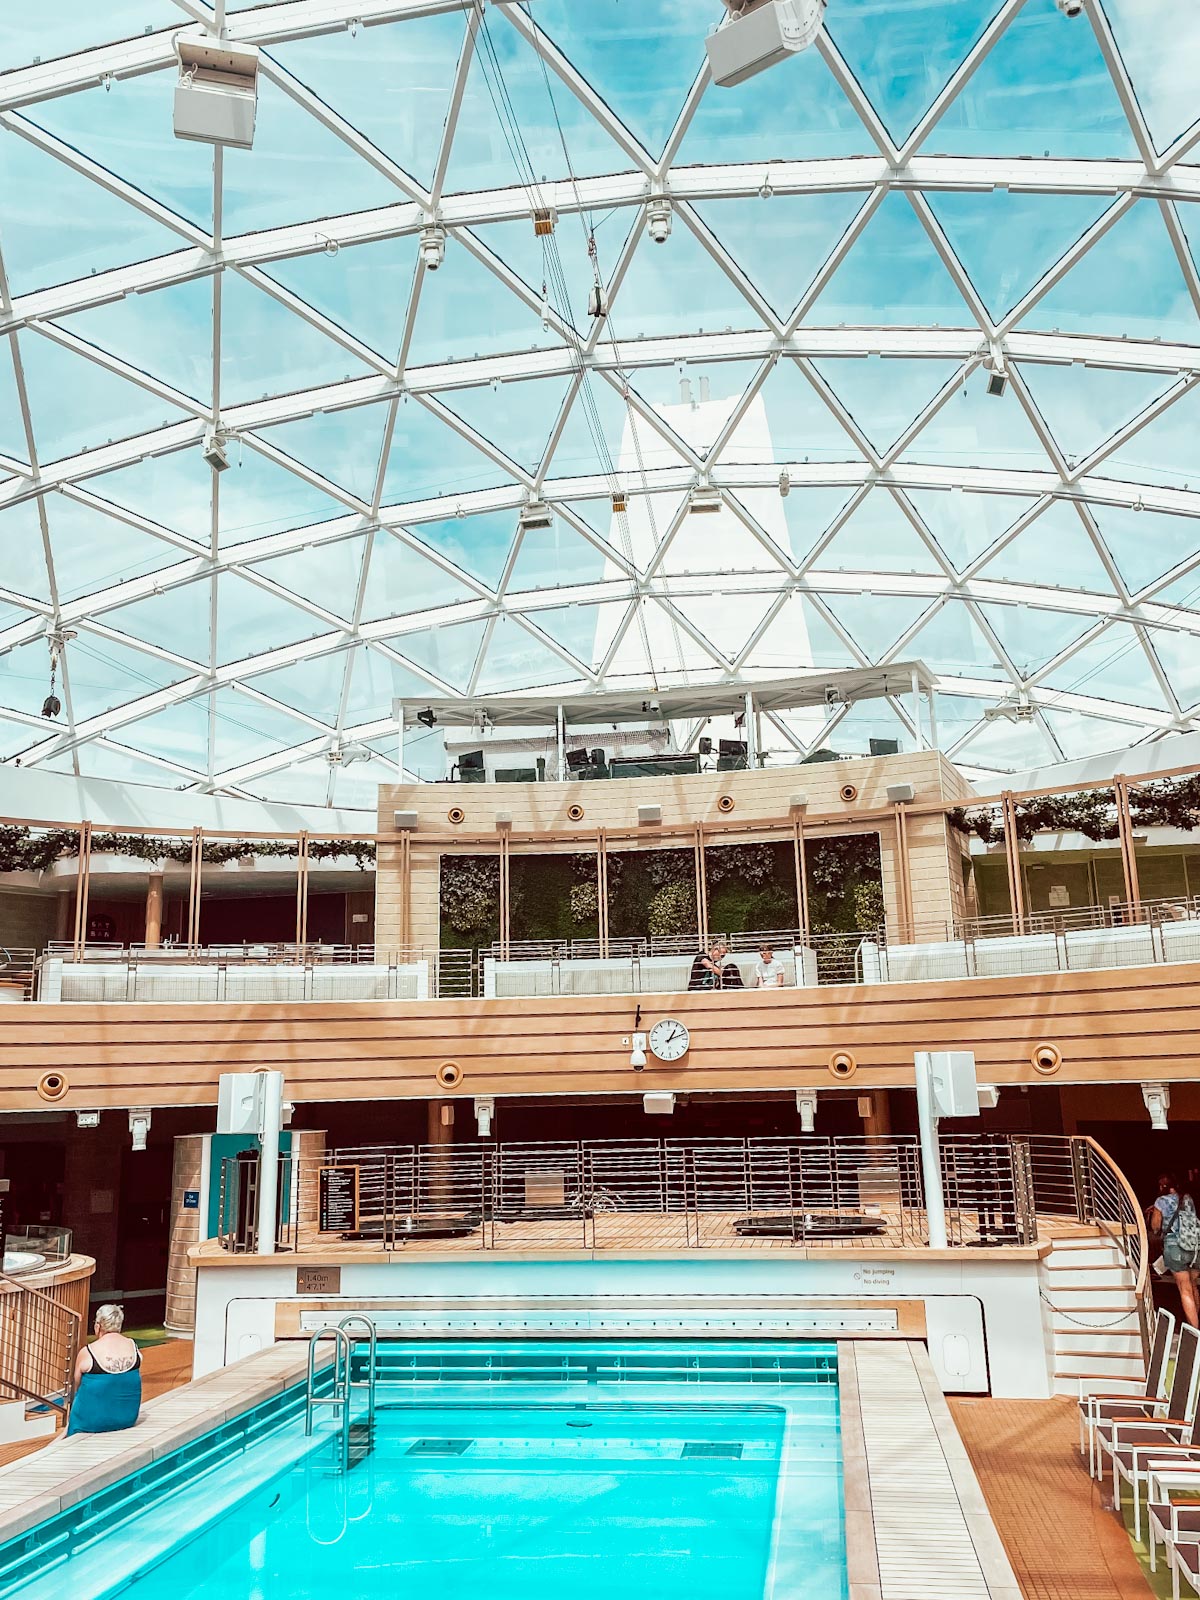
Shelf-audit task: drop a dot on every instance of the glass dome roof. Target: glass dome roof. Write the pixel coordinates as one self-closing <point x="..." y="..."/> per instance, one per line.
<point x="859" y="237"/>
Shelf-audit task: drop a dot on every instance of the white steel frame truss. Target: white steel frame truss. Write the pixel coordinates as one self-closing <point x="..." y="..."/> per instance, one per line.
<point x="592" y="354"/>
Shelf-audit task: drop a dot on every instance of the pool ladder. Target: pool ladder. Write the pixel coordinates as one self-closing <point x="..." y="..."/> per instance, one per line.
<point x="341" y="1394"/>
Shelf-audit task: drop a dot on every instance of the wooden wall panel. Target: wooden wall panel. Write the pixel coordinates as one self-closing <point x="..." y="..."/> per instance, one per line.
<point x="1111" y="1026"/>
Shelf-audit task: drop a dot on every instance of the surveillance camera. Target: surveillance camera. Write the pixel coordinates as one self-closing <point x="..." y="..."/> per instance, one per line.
<point x="433" y="246"/>
<point x="658" y="221"/>
<point x="1070" y="8"/>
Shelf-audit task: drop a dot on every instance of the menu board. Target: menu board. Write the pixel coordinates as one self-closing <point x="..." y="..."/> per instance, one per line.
<point x="339" y="1199"/>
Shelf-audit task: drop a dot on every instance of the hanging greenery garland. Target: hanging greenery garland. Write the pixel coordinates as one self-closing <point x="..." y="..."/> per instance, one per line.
<point x="1164" y="803"/>
<point x="23" y="850"/>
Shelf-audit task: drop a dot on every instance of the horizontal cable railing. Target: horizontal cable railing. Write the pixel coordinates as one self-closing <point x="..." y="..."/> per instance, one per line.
<point x="682" y="1194"/>
<point x="39" y="1340"/>
<point x="17" y="970"/>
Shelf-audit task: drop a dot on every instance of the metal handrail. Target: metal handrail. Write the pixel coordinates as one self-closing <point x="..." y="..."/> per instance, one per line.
<point x="357" y="1319"/>
<point x="1133" y="1240"/>
<point x="340" y="1395"/>
<point x="38" y="1363"/>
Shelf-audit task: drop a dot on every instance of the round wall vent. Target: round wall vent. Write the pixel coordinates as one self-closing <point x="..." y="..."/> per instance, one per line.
<point x="842" y="1064"/>
<point x="575" y="813"/>
<point x="449" y="1074"/>
<point x="1046" y="1058"/>
<point x="726" y="803"/>
<point x="52" y="1086"/>
<point x="848" y="792"/>
<point x="456" y="814"/>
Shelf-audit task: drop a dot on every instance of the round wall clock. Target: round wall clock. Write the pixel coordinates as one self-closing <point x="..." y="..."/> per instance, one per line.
<point x="669" y="1039"/>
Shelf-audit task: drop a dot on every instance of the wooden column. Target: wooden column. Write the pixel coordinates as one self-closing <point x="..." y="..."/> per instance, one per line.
<point x="798" y="853"/>
<point x="83" y="879"/>
<point x="404" y="890"/>
<point x="505" y="906"/>
<point x="1133" y="892"/>
<point x="701" y="886"/>
<point x="1012" y="856"/>
<point x="438" y="1130"/>
<point x="154" y="911"/>
<point x="302" y="888"/>
<point x="602" y="890"/>
<point x="903" y="876"/>
<point x="195" y="872"/>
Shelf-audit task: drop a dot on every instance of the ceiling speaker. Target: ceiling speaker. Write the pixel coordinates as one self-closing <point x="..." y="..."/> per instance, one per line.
<point x="649" y="815"/>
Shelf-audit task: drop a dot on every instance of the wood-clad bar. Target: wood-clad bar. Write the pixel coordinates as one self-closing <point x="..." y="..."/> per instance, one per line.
<point x="1111" y="1026"/>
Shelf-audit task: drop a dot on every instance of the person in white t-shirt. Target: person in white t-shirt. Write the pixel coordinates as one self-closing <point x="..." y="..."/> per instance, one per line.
<point x="768" y="973"/>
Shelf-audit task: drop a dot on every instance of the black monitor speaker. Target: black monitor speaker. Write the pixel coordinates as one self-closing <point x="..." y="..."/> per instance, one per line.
<point x="576" y="759"/>
<point x="598" y="758"/>
<point x="885" y="747"/>
<point x="471" y="761"/>
<point x="705" y="747"/>
<point x="732" y="747"/>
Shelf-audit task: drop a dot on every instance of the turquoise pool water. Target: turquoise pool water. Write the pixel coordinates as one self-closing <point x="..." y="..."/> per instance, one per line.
<point x="660" y="1476"/>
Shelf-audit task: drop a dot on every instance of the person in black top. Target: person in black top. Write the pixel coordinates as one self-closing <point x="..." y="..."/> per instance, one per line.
<point x="711" y="970"/>
<point x="108" y="1379"/>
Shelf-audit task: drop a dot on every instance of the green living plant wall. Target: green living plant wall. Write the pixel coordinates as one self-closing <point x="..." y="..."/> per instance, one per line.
<point x="1163" y="803"/>
<point x="652" y="892"/>
<point x="29" y="850"/>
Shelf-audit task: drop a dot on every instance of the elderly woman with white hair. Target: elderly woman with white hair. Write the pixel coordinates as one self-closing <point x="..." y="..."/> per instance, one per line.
<point x="108" y="1378"/>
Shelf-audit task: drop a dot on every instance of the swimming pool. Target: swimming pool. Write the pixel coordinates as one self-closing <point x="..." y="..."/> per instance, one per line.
<point x="555" y="1471"/>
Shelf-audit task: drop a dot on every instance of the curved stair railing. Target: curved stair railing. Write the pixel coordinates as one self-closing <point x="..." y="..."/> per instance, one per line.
<point x="1108" y="1201"/>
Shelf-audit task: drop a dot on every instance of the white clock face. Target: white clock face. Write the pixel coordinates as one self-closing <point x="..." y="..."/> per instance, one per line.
<point x="669" y="1039"/>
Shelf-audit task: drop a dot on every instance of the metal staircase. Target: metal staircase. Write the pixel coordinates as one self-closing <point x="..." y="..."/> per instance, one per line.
<point x="356" y="1438"/>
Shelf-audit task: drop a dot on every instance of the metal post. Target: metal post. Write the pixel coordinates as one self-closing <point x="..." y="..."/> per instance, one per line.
<point x="916" y="709"/>
<point x="751" y="734"/>
<point x="270" y="1124"/>
<point x="561" y="728"/>
<point x="400" y="738"/>
<point x="931" y="1162"/>
<point x="933" y="727"/>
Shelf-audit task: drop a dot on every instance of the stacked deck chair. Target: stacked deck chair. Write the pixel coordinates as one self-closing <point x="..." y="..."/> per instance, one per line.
<point x="1175" y="1524"/>
<point x="1104" y="1407"/>
<point x="1131" y="1444"/>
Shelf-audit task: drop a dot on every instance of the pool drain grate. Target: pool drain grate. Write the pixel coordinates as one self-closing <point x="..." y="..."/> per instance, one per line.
<point x="439" y="1447"/>
<point x="713" y="1452"/>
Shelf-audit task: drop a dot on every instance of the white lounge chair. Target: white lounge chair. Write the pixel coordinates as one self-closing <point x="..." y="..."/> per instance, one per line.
<point x="1101" y="1406"/>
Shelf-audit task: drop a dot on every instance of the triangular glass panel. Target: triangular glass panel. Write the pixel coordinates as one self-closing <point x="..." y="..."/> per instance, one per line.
<point x="1145" y="544"/>
<point x="478" y="544"/>
<point x="1164" y="451"/>
<point x="128" y="130"/>
<point x="884" y="396"/>
<point x="343" y="446"/>
<point x="877" y="538"/>
<point x="584" y="630"/>
<point x="891" y="277"/>
<point x="429" y="458"/>
<point x="806" y="512"/>
<point x="876" y="621"/>
<point x="364" y="288"/>
<point x="173" y="490"/>
<point x="112" y="761"/>
<point x="23" y="556"/>
<point x="167" y="334"/>
<point x="951" y="645"/>
<point x="71" y="25"/>
<point x="1041" y="90"/>
<point x="105" y="674"/>
<point x="179" y="734"/>
<point x="676" y="288"/>
<point x="516" y="417"/>
<point x="326" y="574"/>
<point x="244" y="729"/>
<point x="782" y="242"/>
<point x="449" y="653"/>
<point x="400" y="581"/>
<point x="1032" y="635"/>
<point x="768" y="510"/>
<point x="555" y="558"/>
<point x="560" y="262"/>
<point x="251" y="620"/>
<point x="465" y="310"/>
<point x="1128" y="284"/>
<point x="1003" y="746"/>
<point x="267" y="349"/>
<point x="104" y="231"/>
<point x="800" y="637"/>
<point x="258" y="498"/>
<point x="726" y="619"/>
<point x="871" y="719"/>
<point x="516" y="660"/>
<point x="1178" y="652"/>
<point x="605" y="51"/>
<point x="1056" y="549"/>
<point x="24" y="680"/>
<point x="1084" y="406"/>
<point x="376" y="681"/>
<point x="1154" y="37"/>
<point x="974" y="429"/>
<point x="716" y="545"/>
<point x="788" y="421"/>
<point x="12" y="429"/>
<point x="696" y="401"/>
<point x="1113" y="667"/>
<point x="392" y="83"/>
<point x="596" y="513"/>
<point x="1007" y="242"/>
<point x="903" y="57"/>
<point x="314" y="686"/>
<point x="301" y="783"/>
<point x="1081" y="735"/>
<point x="176" y="620"/>
<point x="483" y="155"/>
<point x="966" y="524"/>
<point x="76" y="404"/>
<point x="604" y="434"/>
<point x="92" y="551"/>
<point x="297" y="170"/>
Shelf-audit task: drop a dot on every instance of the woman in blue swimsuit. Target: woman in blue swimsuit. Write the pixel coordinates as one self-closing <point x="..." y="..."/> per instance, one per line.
<point x="108" y="1378"/>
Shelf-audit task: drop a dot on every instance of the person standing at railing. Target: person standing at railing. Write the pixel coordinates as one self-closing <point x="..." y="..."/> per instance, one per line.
<point x="1174" y="1222"/>
<point x="108" y="1378"/>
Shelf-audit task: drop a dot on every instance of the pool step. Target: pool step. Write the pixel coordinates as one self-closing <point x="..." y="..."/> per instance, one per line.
<point x="1091" y="1315"/>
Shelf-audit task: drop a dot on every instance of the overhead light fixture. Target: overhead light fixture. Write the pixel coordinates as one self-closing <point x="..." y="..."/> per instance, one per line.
<point x="427" y="718"/>
<point x="598" y="302"/>
<point x="660" y="1103"/>
<point x="345" y="755"/>
<point x="545" y="219"/>
<point x="485" y="1110"/>
<point x="806" y="1105"/>
<point x="1070" y="8"/>
<point x="1157" y="1098"/>
<point x="620" y="502"/>
<point x="785" y="484"/>
<point x="57" y="640"/>
<point x="433" y="246"/>
<point x="996" y="370"/>
<point x="216" y="97"/>
<point x="659" y="219"/>
<point x="759" y="34"/>
<point x="87" y="1119"/>
<point x="704" y="500"/>
<point x="214" y="451"/>
<point x="139" y="1128"/>
<point x="536" y="514"/>
<point x="1013" y="708"/>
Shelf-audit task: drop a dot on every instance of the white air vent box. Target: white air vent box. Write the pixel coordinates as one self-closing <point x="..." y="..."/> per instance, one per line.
<point x="217" y="93"/>
<point x="767" y="32"/>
